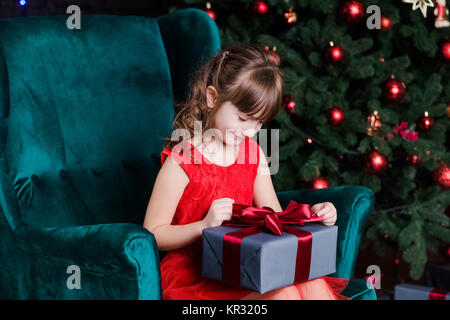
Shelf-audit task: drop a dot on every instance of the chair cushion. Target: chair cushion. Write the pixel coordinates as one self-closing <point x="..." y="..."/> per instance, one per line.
<point x="86" y="110"/>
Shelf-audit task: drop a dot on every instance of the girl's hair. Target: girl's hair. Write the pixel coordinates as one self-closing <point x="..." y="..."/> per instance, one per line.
<point x="244" y="74"/>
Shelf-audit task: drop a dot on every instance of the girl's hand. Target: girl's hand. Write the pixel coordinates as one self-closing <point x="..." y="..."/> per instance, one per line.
<point x="219" y="211"/>
<point x="327" y="210"/>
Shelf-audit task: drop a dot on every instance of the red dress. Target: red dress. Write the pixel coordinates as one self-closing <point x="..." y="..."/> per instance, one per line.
<point x="181" y="268"/>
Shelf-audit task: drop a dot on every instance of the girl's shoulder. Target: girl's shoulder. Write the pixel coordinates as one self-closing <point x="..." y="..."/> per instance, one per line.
<point x="182" y="154"/>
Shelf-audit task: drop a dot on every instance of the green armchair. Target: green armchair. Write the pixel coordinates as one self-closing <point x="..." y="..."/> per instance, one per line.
<point x="82" y="117"/>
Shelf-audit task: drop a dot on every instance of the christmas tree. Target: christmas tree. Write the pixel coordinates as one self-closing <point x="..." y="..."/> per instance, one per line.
<point x="366" y="102"/>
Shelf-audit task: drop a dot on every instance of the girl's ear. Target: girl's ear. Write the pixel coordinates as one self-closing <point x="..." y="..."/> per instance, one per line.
<point x="211" y="96"/>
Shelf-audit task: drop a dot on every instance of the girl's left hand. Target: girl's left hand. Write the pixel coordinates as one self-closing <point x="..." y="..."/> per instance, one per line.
<point x="327" y="210"/>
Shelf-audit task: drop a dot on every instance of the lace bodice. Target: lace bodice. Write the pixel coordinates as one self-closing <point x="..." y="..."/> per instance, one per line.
<point x="209" y="181"/>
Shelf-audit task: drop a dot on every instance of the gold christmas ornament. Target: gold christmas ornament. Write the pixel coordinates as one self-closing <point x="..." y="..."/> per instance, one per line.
<point x="291" y="16"/>
<point x="374" y="123"/>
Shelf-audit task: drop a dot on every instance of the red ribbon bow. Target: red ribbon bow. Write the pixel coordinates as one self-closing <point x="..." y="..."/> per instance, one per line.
<point x="265" y="218"/>
<point x="294" y="214"/>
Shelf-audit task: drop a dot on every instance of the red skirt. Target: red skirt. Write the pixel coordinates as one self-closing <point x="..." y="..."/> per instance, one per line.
<point x="181" y="280"/>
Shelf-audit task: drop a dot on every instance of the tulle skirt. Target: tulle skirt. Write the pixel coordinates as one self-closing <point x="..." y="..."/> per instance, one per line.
<point x="181" y="280"/>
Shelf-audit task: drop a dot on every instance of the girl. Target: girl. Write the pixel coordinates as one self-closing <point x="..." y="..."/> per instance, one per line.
<point x="231" y="95"/>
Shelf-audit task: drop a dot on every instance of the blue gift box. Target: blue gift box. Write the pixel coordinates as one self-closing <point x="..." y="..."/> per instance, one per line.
<point x="406" y="291"/>
<point x="268" y="261"/>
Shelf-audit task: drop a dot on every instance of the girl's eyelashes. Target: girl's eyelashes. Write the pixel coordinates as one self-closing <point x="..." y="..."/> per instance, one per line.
<point x="245" y="119"/>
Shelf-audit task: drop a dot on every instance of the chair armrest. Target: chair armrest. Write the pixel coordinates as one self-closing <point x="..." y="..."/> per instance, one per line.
<point x="353" y="204"/>
<point x="360" y="289"/>
<point x="123" y="255"/>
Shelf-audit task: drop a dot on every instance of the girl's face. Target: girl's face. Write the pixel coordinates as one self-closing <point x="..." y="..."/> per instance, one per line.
<point x="232" y="125"/>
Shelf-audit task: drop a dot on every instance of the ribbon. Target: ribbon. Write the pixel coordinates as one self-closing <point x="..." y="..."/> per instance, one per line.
<point x="266" y="219"/>
<point x="437" y="294"/>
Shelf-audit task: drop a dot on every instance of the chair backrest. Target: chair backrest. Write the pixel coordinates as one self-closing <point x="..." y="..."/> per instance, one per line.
<point x="82" y="117"/>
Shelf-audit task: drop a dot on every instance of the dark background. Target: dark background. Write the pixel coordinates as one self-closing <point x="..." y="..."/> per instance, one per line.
<point x="149" y="8"/>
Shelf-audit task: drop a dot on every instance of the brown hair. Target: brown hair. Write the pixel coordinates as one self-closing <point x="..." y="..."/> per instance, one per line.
<point x="244" y="74"/>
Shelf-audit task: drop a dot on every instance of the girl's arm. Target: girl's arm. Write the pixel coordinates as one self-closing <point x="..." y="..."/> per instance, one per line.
<point x="263" y="191"/>
<point x="167" y="191"/>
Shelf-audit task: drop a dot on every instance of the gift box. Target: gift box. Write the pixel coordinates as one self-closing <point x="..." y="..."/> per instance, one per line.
<point x="406" y="291"/>
<point x="276" y="251"/>
<point x="438" y="276"/>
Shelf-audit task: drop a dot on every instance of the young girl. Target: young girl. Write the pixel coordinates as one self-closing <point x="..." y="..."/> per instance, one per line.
<point x="231" y="95"/>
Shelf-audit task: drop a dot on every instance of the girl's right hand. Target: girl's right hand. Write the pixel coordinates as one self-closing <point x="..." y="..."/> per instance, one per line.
<point x="219" y="211"/>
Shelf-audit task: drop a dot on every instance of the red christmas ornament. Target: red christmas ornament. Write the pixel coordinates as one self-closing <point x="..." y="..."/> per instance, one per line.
<point x="352" y="11"/>
<point x="288" y="103"/>
<point x="425" y="123"/>
<point x="212" y="14"/>
<point x="320" y="183"/>
<point x="386" y="23"/>
<point x="375" y="163"/>
<point x="333" y="53"/>
<point x="394" y="90"/>
<point x="413" y="160"/>
<point x="441" y="176"/>
<point x="335" y="116"/>
<point x="208" y="10"/>
<point x="444" y="50"/>
<point x="260" y="7"/>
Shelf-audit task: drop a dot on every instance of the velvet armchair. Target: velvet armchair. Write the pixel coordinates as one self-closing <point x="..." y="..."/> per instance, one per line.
<point x="82" y="117"/>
